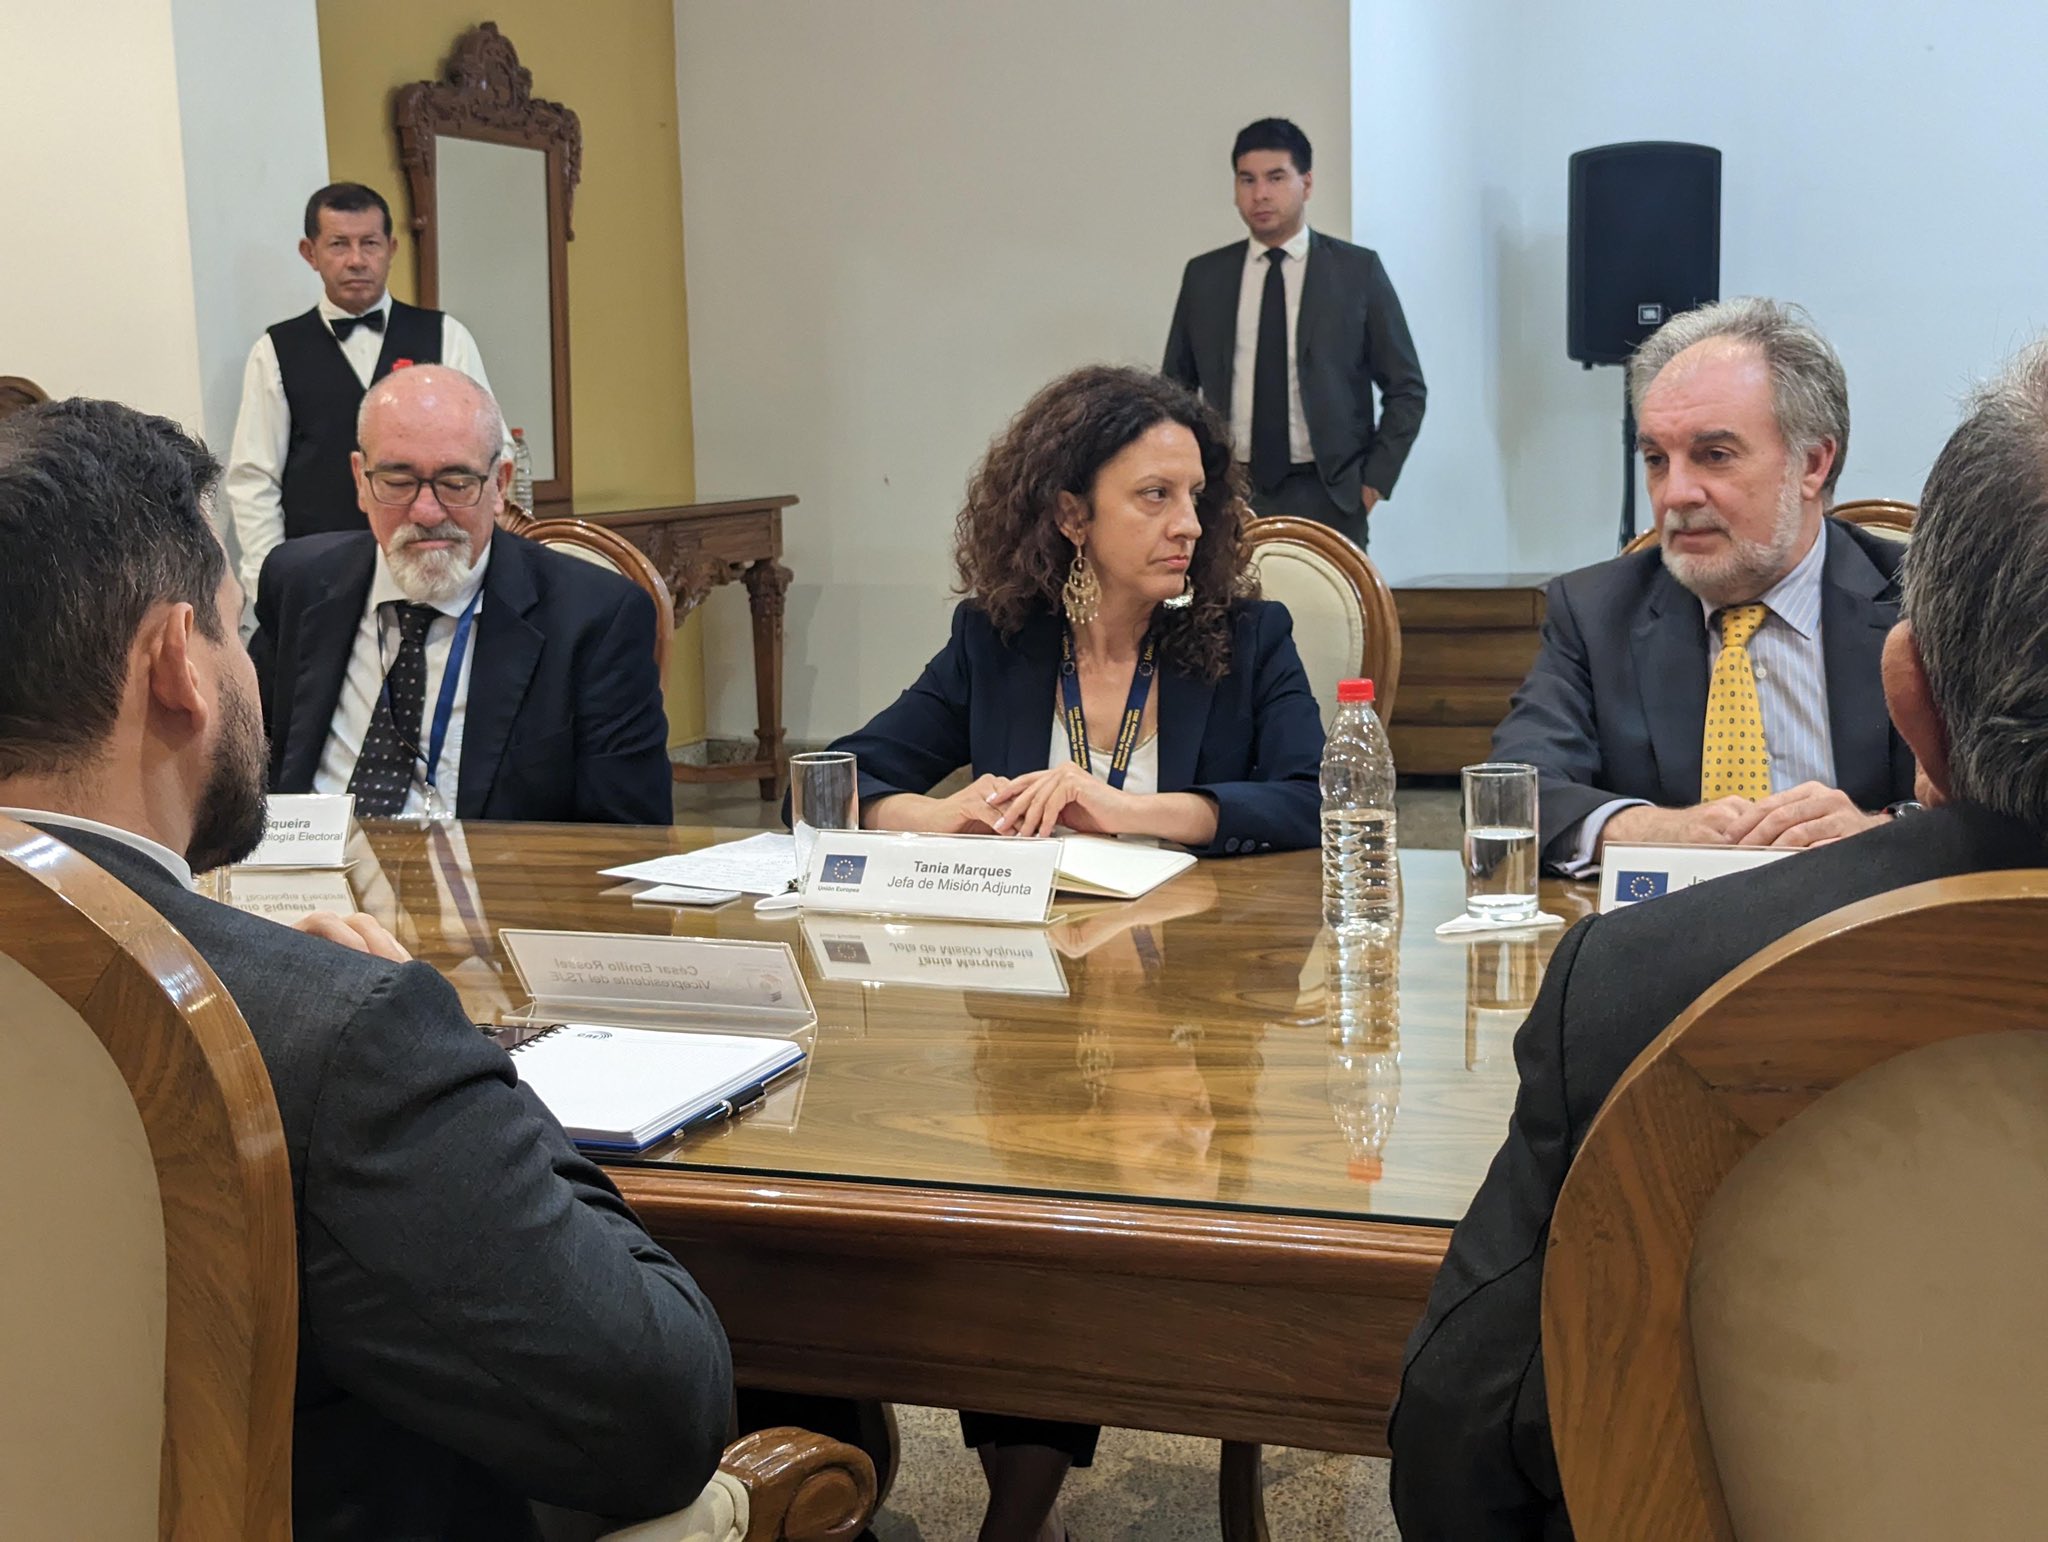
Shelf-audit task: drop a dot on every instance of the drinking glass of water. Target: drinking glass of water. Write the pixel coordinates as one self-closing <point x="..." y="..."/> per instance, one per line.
<point x="824" y="794"/>
<point x="1500" y="842"/>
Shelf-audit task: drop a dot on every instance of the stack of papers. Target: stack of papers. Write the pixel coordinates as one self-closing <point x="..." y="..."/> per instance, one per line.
<point x="760" y="864"/>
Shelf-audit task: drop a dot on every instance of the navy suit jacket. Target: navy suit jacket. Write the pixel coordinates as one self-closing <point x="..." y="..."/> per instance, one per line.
<point x="1350" y="337"/>
<point x="1616" y="704"/>
<point x="564" y="719"/>
<point x="1253" y="740"/>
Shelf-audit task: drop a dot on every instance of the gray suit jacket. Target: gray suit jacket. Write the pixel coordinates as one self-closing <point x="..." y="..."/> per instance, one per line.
<point x="1615" y="705"/>
<point x="1351" y="336"/>
<point x="482" y="1321"/>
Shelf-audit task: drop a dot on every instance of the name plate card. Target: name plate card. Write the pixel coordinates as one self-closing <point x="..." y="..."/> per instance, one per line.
<point x="304" y="829"/>
<point x="953" y="877"/>
<point x="289" y="897"/>
<point x="955" y="954"/>
<point x="1631" y="874"/>
<point x="684" y="977"/>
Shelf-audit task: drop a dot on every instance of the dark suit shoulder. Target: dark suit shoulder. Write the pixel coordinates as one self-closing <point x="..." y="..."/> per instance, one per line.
<point x="1218" y="257"/>
<point x="559" y="576"/>
<point x="314" y="557"/>
<point x="1887" y="556"/>
<point x="1322" y="244"/>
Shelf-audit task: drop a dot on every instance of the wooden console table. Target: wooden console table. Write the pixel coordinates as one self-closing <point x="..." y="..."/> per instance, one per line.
<point x="1467" y="640"/>
<point x="697" y="547"/>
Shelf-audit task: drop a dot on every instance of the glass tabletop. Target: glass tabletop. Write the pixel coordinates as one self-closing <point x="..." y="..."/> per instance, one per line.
<point x="1193" y="1047"/>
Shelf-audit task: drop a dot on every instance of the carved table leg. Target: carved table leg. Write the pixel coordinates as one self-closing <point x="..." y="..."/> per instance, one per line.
<point x="767" y="583"/>
<point x="1240" y="1493"/>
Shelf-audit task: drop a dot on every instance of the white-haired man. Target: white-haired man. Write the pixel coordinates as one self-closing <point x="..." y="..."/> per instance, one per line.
<point x="436" y="664"/>
<point x="1724" y="687"/>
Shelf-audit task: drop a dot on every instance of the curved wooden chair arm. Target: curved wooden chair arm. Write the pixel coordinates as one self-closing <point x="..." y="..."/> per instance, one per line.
<point x="802" y="1487"/>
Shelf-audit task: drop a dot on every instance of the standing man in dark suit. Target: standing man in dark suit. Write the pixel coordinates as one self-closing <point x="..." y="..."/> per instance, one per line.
<point x="434" y="663"/>
<point x="482" y="1322"/>
<point x="1287" y="334"/>
<point x="1724" y="687"/>
<point x="288" y="473"/>
<point x="1967" y="686"/>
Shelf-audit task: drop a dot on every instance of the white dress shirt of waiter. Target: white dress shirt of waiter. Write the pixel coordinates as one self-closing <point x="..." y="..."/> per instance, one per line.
<point x="351" y="249"/>
<point x="1740" y="514"/>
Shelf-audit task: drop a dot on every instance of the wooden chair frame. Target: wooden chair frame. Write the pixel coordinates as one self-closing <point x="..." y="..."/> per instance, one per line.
<point x="1382" y="661"/>
<point x="1871" y="513"/>
<point x="223" y="1175"/>
<point x="621" y="553"/>
<point x="1862" y="985"/>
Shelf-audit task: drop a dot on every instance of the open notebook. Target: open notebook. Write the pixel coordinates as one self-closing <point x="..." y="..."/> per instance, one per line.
<point x="1116" y="869"/>
<point x="624" y="1089"/>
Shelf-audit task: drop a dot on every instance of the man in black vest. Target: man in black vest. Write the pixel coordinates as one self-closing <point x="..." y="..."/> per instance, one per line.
<point x="288" y="473"/>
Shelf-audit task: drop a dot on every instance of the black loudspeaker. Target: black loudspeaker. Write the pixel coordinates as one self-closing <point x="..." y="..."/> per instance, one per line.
<point x="1645" y="243"/>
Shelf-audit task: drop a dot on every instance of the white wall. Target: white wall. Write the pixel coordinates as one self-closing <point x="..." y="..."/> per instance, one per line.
<point x="900" y="220"/>
<point x="1880" y="166"/>
<point x="254" y="132"/>
<point x="160" y="154"/>
<point x="97" y="261"/>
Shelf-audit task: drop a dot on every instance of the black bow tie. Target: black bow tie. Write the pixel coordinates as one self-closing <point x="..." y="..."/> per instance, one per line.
<point x="343" y="325"/>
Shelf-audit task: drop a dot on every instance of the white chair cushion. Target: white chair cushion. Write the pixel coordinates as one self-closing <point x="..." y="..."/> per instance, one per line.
<point x="1329" y="626"/>
<point x="583" y="553"/>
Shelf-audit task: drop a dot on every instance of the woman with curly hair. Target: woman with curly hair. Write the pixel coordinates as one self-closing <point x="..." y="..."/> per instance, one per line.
<point x="1111" y="669"/>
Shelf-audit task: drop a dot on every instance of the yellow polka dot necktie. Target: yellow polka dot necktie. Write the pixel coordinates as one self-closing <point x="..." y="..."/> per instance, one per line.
<point x="1735" y="761"/>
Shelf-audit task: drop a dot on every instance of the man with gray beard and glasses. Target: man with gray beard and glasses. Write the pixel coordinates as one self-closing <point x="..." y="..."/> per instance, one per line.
<point x="435" y="664"/>
<point x="1722" y="688"/>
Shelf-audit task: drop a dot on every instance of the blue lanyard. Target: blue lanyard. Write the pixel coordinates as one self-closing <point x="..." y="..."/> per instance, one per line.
<point x="444" y="704"/>
<point x="1077" y="721"/>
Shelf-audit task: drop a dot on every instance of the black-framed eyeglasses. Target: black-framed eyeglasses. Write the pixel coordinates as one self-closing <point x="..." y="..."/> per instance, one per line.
<point x="452" y="489"/>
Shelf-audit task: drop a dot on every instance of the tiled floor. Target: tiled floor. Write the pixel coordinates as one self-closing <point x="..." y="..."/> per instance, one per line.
<point x="1143" y="1487"/>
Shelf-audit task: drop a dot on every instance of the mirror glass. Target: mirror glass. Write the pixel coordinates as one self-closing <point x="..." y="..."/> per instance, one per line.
<point x="492" y="218"/>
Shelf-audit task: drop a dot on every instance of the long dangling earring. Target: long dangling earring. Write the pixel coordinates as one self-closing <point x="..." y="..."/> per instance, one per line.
<point x="1081" y="595"/>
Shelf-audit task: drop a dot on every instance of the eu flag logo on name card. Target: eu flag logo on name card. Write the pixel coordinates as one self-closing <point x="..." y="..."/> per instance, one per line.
<point x="846" y="950"/>
<point x="1640" y="886"/>
<point x="844" y="869"/>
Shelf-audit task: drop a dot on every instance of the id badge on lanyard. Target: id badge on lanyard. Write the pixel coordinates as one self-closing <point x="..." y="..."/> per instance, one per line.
<point x="1077" y="722"/>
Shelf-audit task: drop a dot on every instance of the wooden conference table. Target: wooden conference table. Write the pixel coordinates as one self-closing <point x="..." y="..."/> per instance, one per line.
<point x="1202" y="1191"/>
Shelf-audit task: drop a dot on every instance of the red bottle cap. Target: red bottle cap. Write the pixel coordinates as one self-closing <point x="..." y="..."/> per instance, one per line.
<point x="1354" y="690"/>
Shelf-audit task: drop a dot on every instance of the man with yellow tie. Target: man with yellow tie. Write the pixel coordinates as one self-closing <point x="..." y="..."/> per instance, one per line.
<point x="1724" y="686"/>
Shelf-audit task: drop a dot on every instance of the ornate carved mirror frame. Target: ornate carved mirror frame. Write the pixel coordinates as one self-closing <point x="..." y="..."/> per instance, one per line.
<point x="486" y="94"/>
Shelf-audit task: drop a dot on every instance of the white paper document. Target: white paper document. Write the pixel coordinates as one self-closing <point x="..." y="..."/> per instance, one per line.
<point x="760" y="864"/>
<point x="678" y="894"/>
<point x="1116" y="869"/>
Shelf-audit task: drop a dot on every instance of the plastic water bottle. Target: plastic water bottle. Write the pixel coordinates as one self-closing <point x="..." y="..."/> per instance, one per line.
<point x="1361" y="875"/>
<point x="522" y="471"/>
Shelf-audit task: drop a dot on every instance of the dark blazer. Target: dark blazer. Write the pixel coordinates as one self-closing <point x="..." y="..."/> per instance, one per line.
<point x="1473" y="1460"/>
<point x="1351" y="336"/>
<point x="1253" y="740"/>
<point x="564" y="720"/>
<point x="1615" y="705"/>
<point x="482" y="1322"/>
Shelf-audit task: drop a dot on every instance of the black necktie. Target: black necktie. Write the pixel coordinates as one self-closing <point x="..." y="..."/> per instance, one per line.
<point x="384" y="770"/>
<point x="343" y="325"/>
<point x="1270" y="443"/>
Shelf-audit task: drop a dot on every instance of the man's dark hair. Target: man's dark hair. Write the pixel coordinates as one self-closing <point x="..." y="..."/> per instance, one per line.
<point x="102" y="517"/>
<point x="1274" y="134"/>
<point x="344" y="198"/>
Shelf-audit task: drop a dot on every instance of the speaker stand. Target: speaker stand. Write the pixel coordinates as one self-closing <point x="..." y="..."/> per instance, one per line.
<point x="1628" y="462"/>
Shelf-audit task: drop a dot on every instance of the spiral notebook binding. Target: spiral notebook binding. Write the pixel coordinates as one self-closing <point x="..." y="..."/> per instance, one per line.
<point x="536" y="1038"/>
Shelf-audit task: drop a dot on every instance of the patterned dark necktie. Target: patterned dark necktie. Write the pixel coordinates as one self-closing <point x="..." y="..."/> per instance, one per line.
<point x="391" y="749"/>
<point x="1270" y="444"/>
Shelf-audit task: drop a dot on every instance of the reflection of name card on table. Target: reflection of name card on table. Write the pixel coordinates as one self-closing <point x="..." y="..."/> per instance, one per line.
<point x="957" y="877"/>
<point x="955" y="954"/>
<point x="289" y="897"/>
<point x="304" y="829"/>
<point x="1631" y="874"/>
<point x="681" y="977"/>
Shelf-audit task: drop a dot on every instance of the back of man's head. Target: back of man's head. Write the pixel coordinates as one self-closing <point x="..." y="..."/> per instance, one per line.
<point x="1975" y="577"/>
<point x="102" y="518"/>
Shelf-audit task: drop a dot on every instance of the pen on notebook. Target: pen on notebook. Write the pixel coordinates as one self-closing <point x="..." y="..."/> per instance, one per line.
<point x="728" y="1108"/>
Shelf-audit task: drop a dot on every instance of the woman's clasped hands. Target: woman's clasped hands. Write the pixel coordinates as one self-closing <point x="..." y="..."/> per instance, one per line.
<point x="1037" y="802"/>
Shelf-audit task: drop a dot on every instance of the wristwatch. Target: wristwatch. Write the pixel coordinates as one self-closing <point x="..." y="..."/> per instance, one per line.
<point x="1904" y="807"/>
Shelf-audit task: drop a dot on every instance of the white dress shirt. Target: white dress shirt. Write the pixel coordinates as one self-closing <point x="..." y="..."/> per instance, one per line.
<point x="254" y="484"/>
<point x="1791" y="691"/>
<point x="156" y="851"/>
<point x="1251" y="296"/>
<point x="376" y="650"/>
